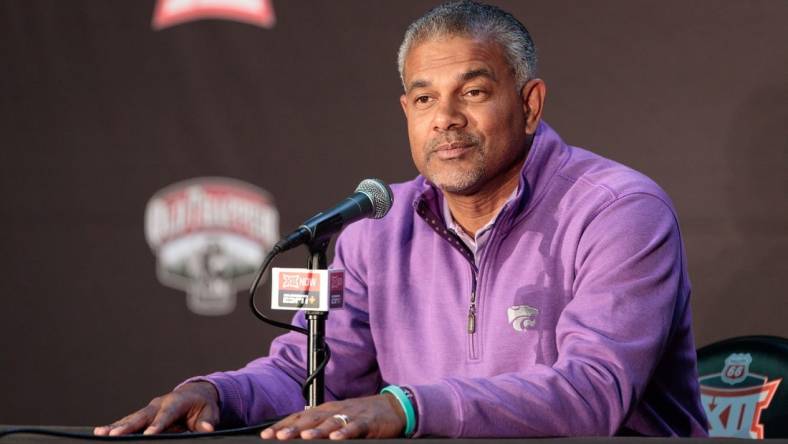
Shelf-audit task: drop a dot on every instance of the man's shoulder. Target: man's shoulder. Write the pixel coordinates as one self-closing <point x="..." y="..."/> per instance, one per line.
<point x="589" y="172"/>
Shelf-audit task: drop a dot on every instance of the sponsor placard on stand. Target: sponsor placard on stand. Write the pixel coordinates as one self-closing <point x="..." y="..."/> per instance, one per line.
<point x="306" y="289"/>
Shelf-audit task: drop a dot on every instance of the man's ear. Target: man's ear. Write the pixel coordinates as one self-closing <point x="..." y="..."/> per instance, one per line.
<point x="403" y="101"/>
<point x="533" y="95"/>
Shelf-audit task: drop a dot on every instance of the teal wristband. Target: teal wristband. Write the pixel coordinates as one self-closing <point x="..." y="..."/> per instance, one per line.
<point x="407" y="407"/>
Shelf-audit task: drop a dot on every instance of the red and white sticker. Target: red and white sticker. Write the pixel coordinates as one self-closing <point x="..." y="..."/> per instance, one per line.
<point x="305" y="289"/>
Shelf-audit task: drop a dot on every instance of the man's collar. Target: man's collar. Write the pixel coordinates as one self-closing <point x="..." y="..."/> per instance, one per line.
<point x="474" y="243"/>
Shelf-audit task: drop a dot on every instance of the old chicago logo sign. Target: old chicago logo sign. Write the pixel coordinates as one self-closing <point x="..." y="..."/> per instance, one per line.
<point x="174" y="12"/>
<point x="209" y="236"/>
<point x="735" y="397"/>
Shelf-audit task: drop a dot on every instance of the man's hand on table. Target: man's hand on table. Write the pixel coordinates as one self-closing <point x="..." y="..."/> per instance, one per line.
<point x="193" y="406"/>
<point x="371" y="417"/>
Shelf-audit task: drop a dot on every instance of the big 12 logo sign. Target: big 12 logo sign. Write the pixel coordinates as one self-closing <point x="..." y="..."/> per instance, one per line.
<point x="735" y="397"/>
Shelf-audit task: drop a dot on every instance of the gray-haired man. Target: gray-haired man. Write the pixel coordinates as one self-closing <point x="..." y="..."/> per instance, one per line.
<point x="525" y="287"/>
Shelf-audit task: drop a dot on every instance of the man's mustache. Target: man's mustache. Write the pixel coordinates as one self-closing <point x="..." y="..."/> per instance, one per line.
<point x="452" y="138"/>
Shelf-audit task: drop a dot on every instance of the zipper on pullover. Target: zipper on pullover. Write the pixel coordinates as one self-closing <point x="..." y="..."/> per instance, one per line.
<point x="473" y="335"/>
<point x="434" y="222"/>
<point x="473" y="313"/>
<point x="472" y="308"/>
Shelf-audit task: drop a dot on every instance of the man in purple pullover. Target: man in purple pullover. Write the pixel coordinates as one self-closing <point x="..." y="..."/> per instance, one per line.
<point x="518" y="287"/>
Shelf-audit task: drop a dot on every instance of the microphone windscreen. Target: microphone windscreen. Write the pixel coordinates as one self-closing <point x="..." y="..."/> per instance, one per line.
<point x="380" y="195"/>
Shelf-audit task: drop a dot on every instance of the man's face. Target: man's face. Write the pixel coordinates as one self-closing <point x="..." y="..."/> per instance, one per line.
<point x="466" y="120"/>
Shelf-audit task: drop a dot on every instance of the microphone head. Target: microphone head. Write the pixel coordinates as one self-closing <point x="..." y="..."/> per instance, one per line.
<point x="379" y="194"/>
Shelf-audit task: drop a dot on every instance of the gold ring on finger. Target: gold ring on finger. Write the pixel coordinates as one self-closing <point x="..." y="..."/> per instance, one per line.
<point x="344" y="419"/>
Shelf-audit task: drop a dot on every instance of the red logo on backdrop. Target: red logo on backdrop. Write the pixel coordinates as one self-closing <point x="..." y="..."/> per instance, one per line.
<point x="174" y="12"/>
<point x="209" y="236"/>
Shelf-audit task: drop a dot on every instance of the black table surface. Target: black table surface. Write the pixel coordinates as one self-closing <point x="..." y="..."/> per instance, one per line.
<point x="252" y="437"/>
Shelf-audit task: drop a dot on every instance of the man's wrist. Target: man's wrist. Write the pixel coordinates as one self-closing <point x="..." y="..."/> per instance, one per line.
<point x="203" y="388"/>
<point x="412" y="398"/>
<point x="404" y="400"/>
<point x="395" y="405"/>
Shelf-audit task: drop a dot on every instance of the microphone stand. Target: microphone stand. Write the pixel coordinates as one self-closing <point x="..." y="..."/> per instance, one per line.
<point x="316" y="330"/>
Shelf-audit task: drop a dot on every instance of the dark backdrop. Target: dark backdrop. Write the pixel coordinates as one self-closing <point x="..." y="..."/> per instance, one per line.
<point x="98" y="112"/>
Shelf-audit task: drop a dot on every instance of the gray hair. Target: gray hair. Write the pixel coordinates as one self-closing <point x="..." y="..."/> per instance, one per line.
<point x="471" y="19"/>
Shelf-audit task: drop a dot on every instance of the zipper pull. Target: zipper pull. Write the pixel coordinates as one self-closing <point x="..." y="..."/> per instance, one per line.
<point x="472" y="309"/>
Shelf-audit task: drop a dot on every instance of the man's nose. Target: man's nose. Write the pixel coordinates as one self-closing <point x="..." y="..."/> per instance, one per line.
<point x="449" y="115"/>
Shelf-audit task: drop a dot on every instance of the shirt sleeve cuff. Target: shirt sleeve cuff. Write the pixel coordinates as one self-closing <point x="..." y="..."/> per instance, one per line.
<point x="433" y="401"/>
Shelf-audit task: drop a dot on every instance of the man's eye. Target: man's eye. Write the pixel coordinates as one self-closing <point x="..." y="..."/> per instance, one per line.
<point x="474" y="93"/>
<point x="422" y="99"/>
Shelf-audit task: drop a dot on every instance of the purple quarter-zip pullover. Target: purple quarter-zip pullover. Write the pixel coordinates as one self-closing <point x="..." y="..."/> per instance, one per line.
<point x="576" y="320"/>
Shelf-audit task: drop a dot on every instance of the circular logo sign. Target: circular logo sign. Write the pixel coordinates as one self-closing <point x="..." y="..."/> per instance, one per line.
<point x="209" y="236"/>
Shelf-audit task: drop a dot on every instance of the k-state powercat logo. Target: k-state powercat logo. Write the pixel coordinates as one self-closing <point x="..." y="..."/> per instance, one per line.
<point x="209" y="236"/>
<point x="173" y="12"/>
<point x="522" y="317"/>
<point x="734" y="398"/>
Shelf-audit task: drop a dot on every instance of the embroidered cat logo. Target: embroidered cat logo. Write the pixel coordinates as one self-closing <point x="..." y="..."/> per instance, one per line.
<point x="522" y="316"/>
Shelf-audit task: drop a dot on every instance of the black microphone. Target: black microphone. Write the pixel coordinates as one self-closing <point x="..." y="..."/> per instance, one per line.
<point x="372" y="198"/>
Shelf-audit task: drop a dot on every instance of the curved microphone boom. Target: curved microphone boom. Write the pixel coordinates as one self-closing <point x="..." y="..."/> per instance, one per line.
<point x="372" y="198"/>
